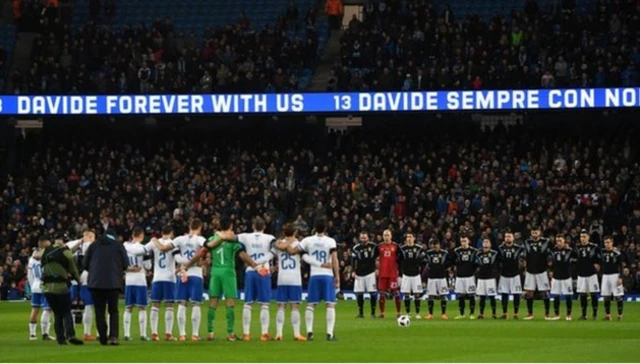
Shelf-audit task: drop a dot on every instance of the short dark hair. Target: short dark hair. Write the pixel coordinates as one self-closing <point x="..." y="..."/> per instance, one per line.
<point x="288" y="230"/>
<point x="507" y="231"/>
<point x="258" y="223"/>
<point x="608" y="237"/>
<point x="225" y="223"/>
<point x="584" y="231"/>
<point x="137" y="231"/>
<point x="167" y="229"/>
<point x="320" y="225"/>
<point x="195" y="224"/>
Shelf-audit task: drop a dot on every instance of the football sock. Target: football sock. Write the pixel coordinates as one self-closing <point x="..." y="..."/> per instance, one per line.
<point x="492" y="302"/>
<point x="308" y="318"/>
<point x="195" y="320"/>
<point x="472" y="305"/>
<point x="360" y="299"/>
<point x="546" y="306"/>
<point x="279" y="321"/>
<point x="530" y="305"/>
<point x="142" y="321"/>
<point x="416" y="303"/>
<point x="583" y="303"/>
<point x="331" y="320"/>
<point x="45" y="321"/>
<point x="483" y="301"/>
<point x="182" y="320"/>
<point x="32" y="328"/>
<point x="231" y="319"/>
<point x="443" y="305"/>
<point x="607" y="306"/>
<point x="461" y="304"/>
<point x="87" y="317"/>
<point x="374" y="299"/>
<point x="516" y="303"/>
<point x="264" y="319"/>
<point x="383" y="300"/>
<point x="126" y="323"/>
<point x="556" y="305"/>
<point x="407" y="304"/>
<point x="505" y="303"/>
<point x="620" y="303"/>
<point x="594" y="303"/>
<point x="569" y="302"/>
<point x="295" y="321"/>
<point x="168" y="320"/>
<point x="246" y="319"/>
<point x="211" y="319"/>
<point x="430" y="306"/>
<point x="398" y="302"/>
<point x="153" y="317"/>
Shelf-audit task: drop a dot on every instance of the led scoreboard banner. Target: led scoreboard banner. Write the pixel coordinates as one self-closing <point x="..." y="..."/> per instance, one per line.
<point x="291" y="103"/>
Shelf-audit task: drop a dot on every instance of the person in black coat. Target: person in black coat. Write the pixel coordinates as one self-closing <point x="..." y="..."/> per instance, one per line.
<point x="106" y="260"/>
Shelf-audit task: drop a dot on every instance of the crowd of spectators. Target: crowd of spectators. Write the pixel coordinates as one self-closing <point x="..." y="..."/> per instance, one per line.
<point x="158" y="58"/>
<point x="413" y="45"/>
<point x="482" y="181"/>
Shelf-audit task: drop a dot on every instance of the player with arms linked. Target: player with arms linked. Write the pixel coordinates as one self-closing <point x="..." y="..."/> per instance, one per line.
<point x="412" y="258"/>
<point x="224" y="248"/>
<point x="323" y="281"/>
<point x="437" y="261"/>
<point x="135" y="286"/>
<point x="612" y="278"/>
<point x="465" y="286"/>
<point x="536" y="251"/>
<point x="587" y="265"/>
<point x="487" y="262"/>
<point x="388" y="256"/>
<point x="561" y="257"/>
<point x="510" y="281"/>
<point x="363" y="258"/>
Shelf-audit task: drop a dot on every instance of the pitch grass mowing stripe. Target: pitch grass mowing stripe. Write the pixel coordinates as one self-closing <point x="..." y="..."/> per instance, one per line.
<point x="360" y="340"/>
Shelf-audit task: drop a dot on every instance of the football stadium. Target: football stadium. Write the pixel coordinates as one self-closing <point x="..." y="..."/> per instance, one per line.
<point x="319" y="181"/>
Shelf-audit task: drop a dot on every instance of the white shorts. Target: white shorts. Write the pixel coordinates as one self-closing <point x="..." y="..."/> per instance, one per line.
<point x="486" y="287"/>
<point x="365" y="284"/>
<point x="510" y="285"/>
<point x="466" y="285"/>
<point x="588" y="284"/>
<point x="610" y="286"/>
<point x="411" y="284"/>
<point x="437" y="287"/>
<point x="534" y="282"/>
<point x="561" y="287"/>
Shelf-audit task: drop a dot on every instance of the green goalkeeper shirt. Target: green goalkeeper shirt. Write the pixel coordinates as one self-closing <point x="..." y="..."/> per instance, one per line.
<point x="223" y="257"/>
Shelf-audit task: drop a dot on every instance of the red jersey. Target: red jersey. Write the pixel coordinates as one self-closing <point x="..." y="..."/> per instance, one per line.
<point x="388" y="254"/>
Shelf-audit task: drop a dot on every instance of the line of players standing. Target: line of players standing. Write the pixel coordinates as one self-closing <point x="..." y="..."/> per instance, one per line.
<point x="475" y="274"/>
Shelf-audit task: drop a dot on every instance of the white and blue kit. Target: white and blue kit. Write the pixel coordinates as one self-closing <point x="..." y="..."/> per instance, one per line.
<point x="135" y="286"/>
<point x="163" y="286"/>
<point x="192" y="290"/>
<point x="289" y="276"/>
<point x="34" y="276"/>
<point x="258" y="246"/>
<point x="82" y="293"/>
<point x="321" y="285"/>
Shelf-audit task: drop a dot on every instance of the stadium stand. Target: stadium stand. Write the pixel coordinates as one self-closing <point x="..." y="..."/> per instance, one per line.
<point x="556" y="175"/>
<point x="422" y="45"/>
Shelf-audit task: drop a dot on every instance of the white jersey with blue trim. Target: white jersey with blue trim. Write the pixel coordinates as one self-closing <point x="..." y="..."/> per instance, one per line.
<point x="164" y="264"/>
<point x="34" y="275"/>
<point x="258" y="246"/>
<point x="319" y="247"/>
<point x="289" y="273"/>
<point x="135" y="253"/>
<point x="84" y="275"/>
<point x="189" y="245"/>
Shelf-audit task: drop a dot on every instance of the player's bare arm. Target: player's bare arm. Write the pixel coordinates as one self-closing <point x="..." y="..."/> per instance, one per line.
<point x="251" y="263"/>
<point x="134" y="269"/>
<point x="196" y="258"/>
<point x="336" y="268"/>
<point x="162" y="247"/>
<point x="220" y="238"/>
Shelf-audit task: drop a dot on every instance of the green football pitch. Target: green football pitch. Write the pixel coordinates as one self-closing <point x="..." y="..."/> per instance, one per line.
<point x="359" y="340"/>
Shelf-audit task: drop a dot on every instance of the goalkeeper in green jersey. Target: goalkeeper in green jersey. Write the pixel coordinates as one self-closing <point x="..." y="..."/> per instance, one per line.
<point x="223" y="282"/>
